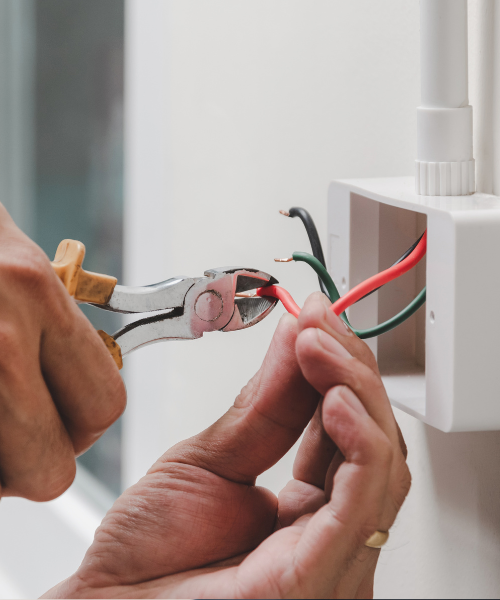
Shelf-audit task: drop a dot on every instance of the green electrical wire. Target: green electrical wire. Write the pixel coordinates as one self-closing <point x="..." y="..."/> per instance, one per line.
<point x="323" y="274"/>
<point x="333" y="292"/>
<point x="393" y="322"/>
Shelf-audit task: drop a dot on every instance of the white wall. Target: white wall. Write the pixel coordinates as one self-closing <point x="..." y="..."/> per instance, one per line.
<point x="237" y="109"/>
<point x="446" y="542"/>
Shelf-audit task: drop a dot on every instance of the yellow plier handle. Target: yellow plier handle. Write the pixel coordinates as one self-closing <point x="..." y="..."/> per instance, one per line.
<point x="85" y="286"/>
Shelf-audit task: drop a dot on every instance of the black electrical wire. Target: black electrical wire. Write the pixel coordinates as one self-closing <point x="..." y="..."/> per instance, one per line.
<point x="317" y="250"/>
<point x="405" y="255"/>
<point x="312" y="234"/>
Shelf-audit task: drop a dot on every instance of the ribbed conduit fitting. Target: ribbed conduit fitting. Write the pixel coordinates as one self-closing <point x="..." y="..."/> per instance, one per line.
<point x="445" y="161"/>
<point x="445" y="178"/>
<point x="445" y="164"/>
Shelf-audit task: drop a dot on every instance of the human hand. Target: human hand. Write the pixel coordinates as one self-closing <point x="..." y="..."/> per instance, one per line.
<point x="59" y="388"/>
<point x="196" y="526"/>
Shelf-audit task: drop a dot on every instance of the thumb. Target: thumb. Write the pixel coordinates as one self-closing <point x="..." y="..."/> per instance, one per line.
<point x="265" y="421"/>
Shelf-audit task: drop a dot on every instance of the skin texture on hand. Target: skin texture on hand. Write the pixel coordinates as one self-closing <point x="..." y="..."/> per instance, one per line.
<point x="59" y="388"/>
<point x="197" y="526"/>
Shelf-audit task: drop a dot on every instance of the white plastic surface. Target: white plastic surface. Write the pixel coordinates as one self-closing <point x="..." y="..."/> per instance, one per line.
<point x="443" y="365"/>
<point x="443" y="53"/>
<point x="444" y="163"/>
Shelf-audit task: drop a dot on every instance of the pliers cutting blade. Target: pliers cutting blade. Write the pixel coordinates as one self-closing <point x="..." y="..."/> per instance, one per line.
<point x="181" y="308"/>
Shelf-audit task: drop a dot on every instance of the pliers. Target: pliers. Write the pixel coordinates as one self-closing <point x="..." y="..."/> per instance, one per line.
<point x="195" y="305"/>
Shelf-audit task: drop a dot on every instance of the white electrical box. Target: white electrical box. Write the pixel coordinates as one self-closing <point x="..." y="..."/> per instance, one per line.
<point x="443" y="364"/>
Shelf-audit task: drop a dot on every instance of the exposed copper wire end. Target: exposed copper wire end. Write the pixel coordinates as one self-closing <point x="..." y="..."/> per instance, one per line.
<point x="284" y="213"/>
<point x="250" y="294"/>
<point x="283" y="259"/>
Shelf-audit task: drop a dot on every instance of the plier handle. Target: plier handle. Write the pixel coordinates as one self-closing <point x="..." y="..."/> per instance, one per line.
<point x="181" y="308"/>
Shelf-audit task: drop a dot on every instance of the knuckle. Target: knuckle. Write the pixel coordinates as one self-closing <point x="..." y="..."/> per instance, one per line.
<point x="56" y="486"/>
<point x="307" y="339"/>
<point x="384" y="451"/>
<point x="30" y="269"/>
<point x="361" y="377"/>
<point x="113" y="407"/>
<point x="11" y="344"/>
<point x="70" y="323"/>
<point x="361" y="531"/>
<point x="398" y="492"/>
<point x="49" y="484"/>
<point x="314" y="311"/>
<point x="336" y="394"/>
<point x="402" y="484"/>
<point x="12" y="354"/>
<point x="406" y="479"/>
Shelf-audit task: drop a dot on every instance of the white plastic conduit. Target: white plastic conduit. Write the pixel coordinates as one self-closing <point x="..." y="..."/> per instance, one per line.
<point x="445" y="163"/>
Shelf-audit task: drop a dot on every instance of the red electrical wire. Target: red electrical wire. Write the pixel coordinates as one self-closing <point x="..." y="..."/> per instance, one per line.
<point x="360" y="290"/>
<point x="365" y="287"/>
<point x="275" y="291"/>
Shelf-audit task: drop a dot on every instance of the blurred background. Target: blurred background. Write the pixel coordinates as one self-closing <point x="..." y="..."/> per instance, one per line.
<point x="61" y="131"/>
<point x="166" y="135"/>
<point x="61" y="176"/>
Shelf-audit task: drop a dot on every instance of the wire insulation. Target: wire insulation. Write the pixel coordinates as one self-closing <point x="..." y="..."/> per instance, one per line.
<point x="314" y="262"/>
<point x="312" y="234"/>
<point x="317" y="250"/>
<point x="364" y="334"/>
<point x="381" y="278"/>
<point x="405" y="255"/>
<point x="393" y="322"/>
<point x="276" y="291"/>
<point x="371" y="285"/>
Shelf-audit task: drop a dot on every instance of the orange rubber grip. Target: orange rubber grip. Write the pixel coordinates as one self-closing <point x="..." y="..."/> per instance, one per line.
<point x="113" y="348"/>
<point x="83" y="285"/>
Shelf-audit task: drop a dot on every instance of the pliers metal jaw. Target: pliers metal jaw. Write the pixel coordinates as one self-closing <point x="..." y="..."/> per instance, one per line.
<point x="181" y="308"/>
<point x="198" y="306"/>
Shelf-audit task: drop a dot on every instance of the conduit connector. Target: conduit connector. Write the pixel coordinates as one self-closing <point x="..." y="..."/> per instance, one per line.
<point x="445" y="163"/>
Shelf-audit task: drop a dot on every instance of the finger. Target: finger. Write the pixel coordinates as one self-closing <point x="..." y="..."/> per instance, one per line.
<point x="82" y="377"/>
<point x="297" y="499"/>
<point x="316" y="313"/>
<point x="356" y="510"/>
<point x="315" y="465"/>
<point x="315" y="453"/>
<point x="36" y="454"/>
<point x="326" y="363"/>
<point x="266" y="420"/>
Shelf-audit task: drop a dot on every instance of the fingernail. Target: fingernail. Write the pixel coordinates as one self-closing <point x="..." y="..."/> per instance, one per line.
<point x="330" y="344"/>
<point x="336" y="323"/>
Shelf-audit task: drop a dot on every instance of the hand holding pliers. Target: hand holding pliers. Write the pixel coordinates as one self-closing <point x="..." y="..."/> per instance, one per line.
<point x="181" y="308"/>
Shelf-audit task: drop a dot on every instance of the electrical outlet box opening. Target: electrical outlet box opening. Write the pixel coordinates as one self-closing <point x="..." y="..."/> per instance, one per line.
<point x="438" y="366"/>
<point x="379" y="235"/>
